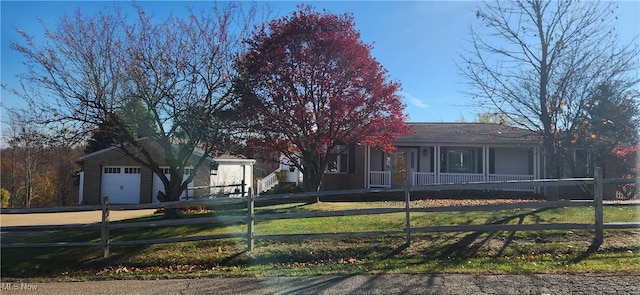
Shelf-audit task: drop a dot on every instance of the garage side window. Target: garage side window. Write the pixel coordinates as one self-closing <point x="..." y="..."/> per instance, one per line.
<point x="112" y="170"/>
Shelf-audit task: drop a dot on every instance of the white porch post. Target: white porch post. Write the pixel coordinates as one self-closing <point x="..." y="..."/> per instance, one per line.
<point x="436" y="163"/>
<point x="485" y="163"/>
<point x="536" y="166"/>
<point x="536" y="162"/>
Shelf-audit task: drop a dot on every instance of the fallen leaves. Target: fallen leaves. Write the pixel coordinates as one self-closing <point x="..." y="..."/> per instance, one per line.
<point x="175" y="268"/>
<point x="465" y="202"/>
<point x="349" y="260"/>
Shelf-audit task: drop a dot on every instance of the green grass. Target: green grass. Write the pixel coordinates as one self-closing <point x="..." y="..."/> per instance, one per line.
<point x="465" y="252"/>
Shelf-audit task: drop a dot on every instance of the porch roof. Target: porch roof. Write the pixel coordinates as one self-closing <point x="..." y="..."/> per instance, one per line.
<point x="469" y="133"/>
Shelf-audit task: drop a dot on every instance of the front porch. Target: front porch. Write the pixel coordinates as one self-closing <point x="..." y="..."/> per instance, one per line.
<point x="450" y="164"/>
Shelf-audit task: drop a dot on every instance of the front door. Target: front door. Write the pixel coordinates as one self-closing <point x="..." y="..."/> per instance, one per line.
<point x="399" y="168"/>
<point x="404" y="161"/>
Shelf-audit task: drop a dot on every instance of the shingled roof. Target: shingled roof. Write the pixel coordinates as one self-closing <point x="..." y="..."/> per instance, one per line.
<point x="469" y="132"/>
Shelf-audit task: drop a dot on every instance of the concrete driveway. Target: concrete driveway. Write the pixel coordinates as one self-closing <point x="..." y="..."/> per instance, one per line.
<point x="84" y="217"/>
<point x="68" y="217"/>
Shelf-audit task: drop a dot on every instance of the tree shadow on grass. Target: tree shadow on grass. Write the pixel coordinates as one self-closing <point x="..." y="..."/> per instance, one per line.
<point x="470" y="244"/>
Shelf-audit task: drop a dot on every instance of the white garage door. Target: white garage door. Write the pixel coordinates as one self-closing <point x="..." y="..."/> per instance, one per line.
<point x="121" y="184"/>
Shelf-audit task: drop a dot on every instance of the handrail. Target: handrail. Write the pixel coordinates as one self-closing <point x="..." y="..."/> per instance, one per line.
<point x="268" y="182"/>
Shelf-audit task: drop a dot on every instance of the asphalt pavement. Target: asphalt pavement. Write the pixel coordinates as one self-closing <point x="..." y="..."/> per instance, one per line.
<point x="347" y="284"/>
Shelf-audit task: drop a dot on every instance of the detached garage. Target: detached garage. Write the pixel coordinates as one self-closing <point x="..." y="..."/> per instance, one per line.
<point x="120" y="183"/>
<point x="109" y="172"/>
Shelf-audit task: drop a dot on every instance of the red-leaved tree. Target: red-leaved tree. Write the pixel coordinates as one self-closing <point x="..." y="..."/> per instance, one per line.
<point x="311" y="87"/>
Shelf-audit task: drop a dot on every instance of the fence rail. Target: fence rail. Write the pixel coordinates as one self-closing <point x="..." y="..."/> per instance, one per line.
<point x="106" y="226"/>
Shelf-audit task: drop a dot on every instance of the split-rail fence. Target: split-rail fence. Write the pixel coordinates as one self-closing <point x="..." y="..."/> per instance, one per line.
<point x="250" y="218"/>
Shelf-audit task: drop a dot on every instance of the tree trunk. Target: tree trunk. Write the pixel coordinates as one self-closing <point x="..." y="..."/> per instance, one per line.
<point x="312" y="182"/>
<point x="552" y="165"/>
<point x="172" y="213"/>
<point x="173" y="193"/>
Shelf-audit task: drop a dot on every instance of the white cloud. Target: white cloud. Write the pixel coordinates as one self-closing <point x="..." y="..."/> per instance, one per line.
<point x="414" y="100"/>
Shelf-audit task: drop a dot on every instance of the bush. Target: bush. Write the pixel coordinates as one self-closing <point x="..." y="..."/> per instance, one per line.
<point x="5" y="196"/>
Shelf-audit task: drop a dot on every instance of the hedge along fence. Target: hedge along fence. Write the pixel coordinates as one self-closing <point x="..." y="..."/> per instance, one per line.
<point x="106" y="226"/>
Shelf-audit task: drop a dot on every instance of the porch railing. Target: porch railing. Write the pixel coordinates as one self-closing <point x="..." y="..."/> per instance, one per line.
<point x="423" y="178"/>
<point x="380" y="179"/>
<point x="268" y="182"/>
<point x="507" y="177"/>
<point x="383" y="179"/>
<point x="461" y="177"/>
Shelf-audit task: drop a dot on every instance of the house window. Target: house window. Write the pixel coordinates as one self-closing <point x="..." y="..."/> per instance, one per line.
<point x="461" y="160"/>
<point x="188" y="171"/>
<point x="131" y="170"/>
<point x="165" y="171"/>
<point x="582" y="163"/>
<point x="413" y="160"/>
<point x="112" y="170"/>
<point x="341" y="163"/>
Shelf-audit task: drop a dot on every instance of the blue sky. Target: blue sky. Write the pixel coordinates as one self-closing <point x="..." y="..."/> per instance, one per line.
<point x="418" y="42"/>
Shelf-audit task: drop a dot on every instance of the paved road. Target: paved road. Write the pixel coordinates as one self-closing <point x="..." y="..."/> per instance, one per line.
<point x="350" y="284"/>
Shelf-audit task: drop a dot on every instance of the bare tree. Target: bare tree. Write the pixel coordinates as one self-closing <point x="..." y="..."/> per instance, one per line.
<point x="538" y="63"/>
<point x="27" y="143"/>
<point x="90" y="67"/>
<point x="39" y="165"/>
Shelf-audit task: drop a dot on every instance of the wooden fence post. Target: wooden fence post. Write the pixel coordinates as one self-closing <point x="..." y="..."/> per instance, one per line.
<point x="599" y="209"/>
<point x="104" y="229"/>
<point x="250" y="221"/>
<point x="407" y="199"/>
<point x="242" y="189"/>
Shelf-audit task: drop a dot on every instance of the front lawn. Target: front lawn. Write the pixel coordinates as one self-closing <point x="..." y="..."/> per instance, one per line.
<point x="551" y="251"/>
